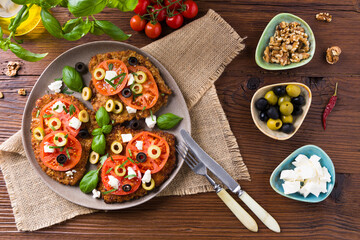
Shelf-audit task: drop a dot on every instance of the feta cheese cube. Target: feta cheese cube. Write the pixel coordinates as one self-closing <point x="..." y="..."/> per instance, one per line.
<point x="126" y="137"/>
<point x="291" y="187"/>
<point x="110" y="75"/>
<point x="69" y="173"/>
<point x="74" y="171"/>
<point x="131" y="79"/>
<point x="301" y="158"/>
<point x="323" y="186"/>
<point x="96" y="193"/>
<point x="315" y="158"/>
<point x="58" y="107"/>
<point x="326" y="175"/>
<point x="147" y="176"/>
<point x="139" y="145"/>
<point x="130" y="109"/>
<point x="75" y="123"/>
<point x="55" y="86"/>
<point x="47" y="149"/>
<point x="150" y="121"/>
<point x="288" y="175"/>
<point x="313" y="188"/>
<point x="307" y="172"/>
<point x="131" y="172"/>
<point x="304" y="192"/>
<point x="113" y="182"/>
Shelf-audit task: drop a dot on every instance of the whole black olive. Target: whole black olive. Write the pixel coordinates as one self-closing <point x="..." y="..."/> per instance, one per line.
<point x="273" y="112"/>
<point x="287" y="128"/>
<point x="83" y="133"/>
<point x="133" y="61"/>
<point x="297" y="110"/>
<point x="299" y="100"/>
<point x="263" y="117"/>
<point x="141" y="157"/>
<point x="134" y="124"/>
<point x="261" y="104"/>
<point x="80" y="67"/>
<point x="126" y="92"/>
<point x="61" y="158"/>
<point x="279" y="90"/>
<point x="126" y="188"/>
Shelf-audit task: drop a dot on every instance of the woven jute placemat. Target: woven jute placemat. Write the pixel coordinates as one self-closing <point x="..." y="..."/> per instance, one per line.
<point x="203" y="49"/>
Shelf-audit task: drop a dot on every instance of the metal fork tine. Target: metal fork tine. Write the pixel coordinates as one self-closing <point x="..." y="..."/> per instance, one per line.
<point x="183" y="155"/>
<point x="189" y="153"/>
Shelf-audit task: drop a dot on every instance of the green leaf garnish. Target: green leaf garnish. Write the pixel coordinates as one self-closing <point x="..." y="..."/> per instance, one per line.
<point x="130" y="160"/>
<point x="52" y="127"/>
<point x="130" y="176"/>
<point x="152" y="116"/>
<point x="65" y="109"/>
<point x="56" y="108"/>
<point x="110" y="191"/>
<point x="108" y="171"/>
<point x="47" y="115"/>
<point x="130" y="152"/>
<point x="122" y="75"/>
<point x="111" y="66"/>
<point x="58" y="79"/>
<point x="67" y="153"/>
<point x="123" y="164"/>
<point x="37" y="113"/>
<point x="72" y="109"/>
<point x="66" y="136"/>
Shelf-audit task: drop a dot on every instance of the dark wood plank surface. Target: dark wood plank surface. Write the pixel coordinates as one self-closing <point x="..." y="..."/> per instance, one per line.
<point x="203" y="216"/>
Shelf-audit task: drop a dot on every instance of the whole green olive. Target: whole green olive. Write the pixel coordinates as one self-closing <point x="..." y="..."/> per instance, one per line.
<point x="274" y="124"/>
<point x="282" y="99"/>
<point x="286" y="108"/>
<point x="293" y="90"/>
<point x="271" y="97"/>
<point x="287" y="119"/>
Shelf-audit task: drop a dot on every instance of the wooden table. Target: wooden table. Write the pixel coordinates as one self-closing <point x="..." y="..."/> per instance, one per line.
<point x="203" y="216"/>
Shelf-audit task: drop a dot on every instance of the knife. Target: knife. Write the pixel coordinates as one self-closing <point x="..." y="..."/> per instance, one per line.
<point x="221" y="174"/>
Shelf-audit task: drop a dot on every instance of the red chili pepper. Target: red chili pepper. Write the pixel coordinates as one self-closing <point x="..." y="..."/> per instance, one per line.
<point x="329" y="107"/>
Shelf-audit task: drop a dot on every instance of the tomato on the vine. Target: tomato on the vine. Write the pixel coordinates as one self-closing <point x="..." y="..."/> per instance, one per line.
<point x="191" y="9"/>
<point x="141" y="7"/>
<point x="175" y="21"/>
<point x="174" y="5"/>
<point x="153" y="30"/>
<point x="161" y="14"/>
<point x="137" y="24"/>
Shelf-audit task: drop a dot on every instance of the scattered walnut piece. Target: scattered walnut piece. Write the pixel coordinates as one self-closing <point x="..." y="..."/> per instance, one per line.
<point x="13" y="67"/>
<point x="22" y="92"/>
<point x="332" y="54"/>
<point x="289" y="44"/>
<point x="326" y="17"/>
<point x="1" y="95"/>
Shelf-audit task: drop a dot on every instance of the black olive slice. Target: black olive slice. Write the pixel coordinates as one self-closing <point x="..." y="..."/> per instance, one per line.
<point x="133" y="61"/>
<point x="83" y="133"/>
<point x="126" y="188"/>
<point x="134" y="124"/>
<point x="126" y="92"/>
<point x="141" y="157"/>
<point x="61" y="158"/>
<point x="80" y="67"/>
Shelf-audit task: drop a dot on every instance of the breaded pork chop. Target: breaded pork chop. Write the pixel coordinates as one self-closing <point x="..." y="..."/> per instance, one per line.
<point x="158" y="177"/>
<point x="80" y="167"/>
<point x="99" y="100"/>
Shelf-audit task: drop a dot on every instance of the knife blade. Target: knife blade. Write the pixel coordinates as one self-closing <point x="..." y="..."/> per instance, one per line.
<point x="223" y="176"/>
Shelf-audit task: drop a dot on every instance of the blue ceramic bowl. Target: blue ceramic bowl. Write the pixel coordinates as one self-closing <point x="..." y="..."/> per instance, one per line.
<point x="308" y="150"/>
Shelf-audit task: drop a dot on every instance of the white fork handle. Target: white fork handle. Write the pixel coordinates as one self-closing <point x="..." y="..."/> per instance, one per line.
<point x="260" y="212"/>
<point x="238" y="211"/>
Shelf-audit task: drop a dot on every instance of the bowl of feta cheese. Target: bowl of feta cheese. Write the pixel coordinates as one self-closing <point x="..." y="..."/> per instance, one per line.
<point x="307" y="175"/>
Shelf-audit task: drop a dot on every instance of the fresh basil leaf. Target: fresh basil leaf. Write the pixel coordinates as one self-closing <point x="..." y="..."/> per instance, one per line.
<point x="75" y="29"/>
<point x="89" y="181"/>
<point x="103" y="159"/>
<point x="99" y="144"/>
<point x="96" y="131"/>
<point x="22" y="2"/>
<point x="72" y="79"/>
<point x="112" y="30"/>
<point x="122" y="5"/>
<point x="168" y="121"/>
<point x="102" y="117"/>
<point x="81" y="8"/>
<point x="106" y="129"/>
<point x="95" y="29"/>
<point x="72" y="109"/>
<point x="25" y="54"/>
<point x="1" y="32"/>
<point x="63" y="3"/>
<point x="46" y="4"/>
<point x="51" y="24"/>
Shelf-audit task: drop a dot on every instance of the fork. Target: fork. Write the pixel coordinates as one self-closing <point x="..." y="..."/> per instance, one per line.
<point x="199" y="168"/>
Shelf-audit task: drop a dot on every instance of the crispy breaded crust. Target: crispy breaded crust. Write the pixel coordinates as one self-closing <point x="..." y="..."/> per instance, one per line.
<point x="158" y="177"/>
<point x="85" y="143"/>
<point x="99" y="100"/>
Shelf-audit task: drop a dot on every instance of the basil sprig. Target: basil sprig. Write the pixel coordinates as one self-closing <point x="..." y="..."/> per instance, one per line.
<point x="168" y="121"/>
<point x="72" y="79"/>
<point x="91" y="179"/>
<point x="103" y="119"/>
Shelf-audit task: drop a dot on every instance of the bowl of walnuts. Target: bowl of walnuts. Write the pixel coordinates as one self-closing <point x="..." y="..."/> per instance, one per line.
<point x="287" y="42"/>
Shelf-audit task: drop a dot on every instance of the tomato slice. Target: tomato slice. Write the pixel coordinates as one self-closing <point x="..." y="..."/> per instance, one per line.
<point x="149" y="139"/>
<point x="72" y="148"/>
<point x="47" y="113"/>
<point x="108" y="169"/>
<point x="105" y="88"/>
<point x="149" y="94"/>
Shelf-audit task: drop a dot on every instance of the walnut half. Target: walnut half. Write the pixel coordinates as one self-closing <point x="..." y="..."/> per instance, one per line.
<point x="12" y="68"/>
<point x="332" y="54"/>
<point x="326" y="17"/>
<point x="22" y="92"/>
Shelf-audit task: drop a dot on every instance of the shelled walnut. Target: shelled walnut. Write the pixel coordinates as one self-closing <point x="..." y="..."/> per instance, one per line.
<point x="289" y="44"/>
<point x="332" y="54"/>
<point x="1" y="95"/>
<point x="326" y="17"/>
<point x="12" y="68"/>
<point x="22" y="92"/>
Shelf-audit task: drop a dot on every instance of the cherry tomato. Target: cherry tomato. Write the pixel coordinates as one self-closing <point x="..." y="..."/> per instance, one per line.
<point x="191" y="9"/>
<point x="153" y="30"/>
<point x="141" y="7"/>
<point x="161" y="14"/>
<point x="174" y="5"/>
<point x="137" y="24"/>
<point x="175" y="21"/>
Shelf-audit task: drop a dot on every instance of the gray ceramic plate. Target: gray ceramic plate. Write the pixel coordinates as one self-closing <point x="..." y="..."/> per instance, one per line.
<point x="83" y="53"/>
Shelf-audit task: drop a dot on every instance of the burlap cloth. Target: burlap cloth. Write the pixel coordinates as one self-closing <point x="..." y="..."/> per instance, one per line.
<point x="195" y="55"/>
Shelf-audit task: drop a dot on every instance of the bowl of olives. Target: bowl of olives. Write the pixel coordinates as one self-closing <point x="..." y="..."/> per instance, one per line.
<point x="278" y="110"/>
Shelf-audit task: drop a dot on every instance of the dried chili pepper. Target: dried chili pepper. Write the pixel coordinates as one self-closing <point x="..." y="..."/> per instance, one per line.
<point x="329" y="107"/>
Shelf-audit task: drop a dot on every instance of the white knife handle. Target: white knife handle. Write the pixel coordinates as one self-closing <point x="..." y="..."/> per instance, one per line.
<point x="260" y="212"/>
<point x="238" y="211"/>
